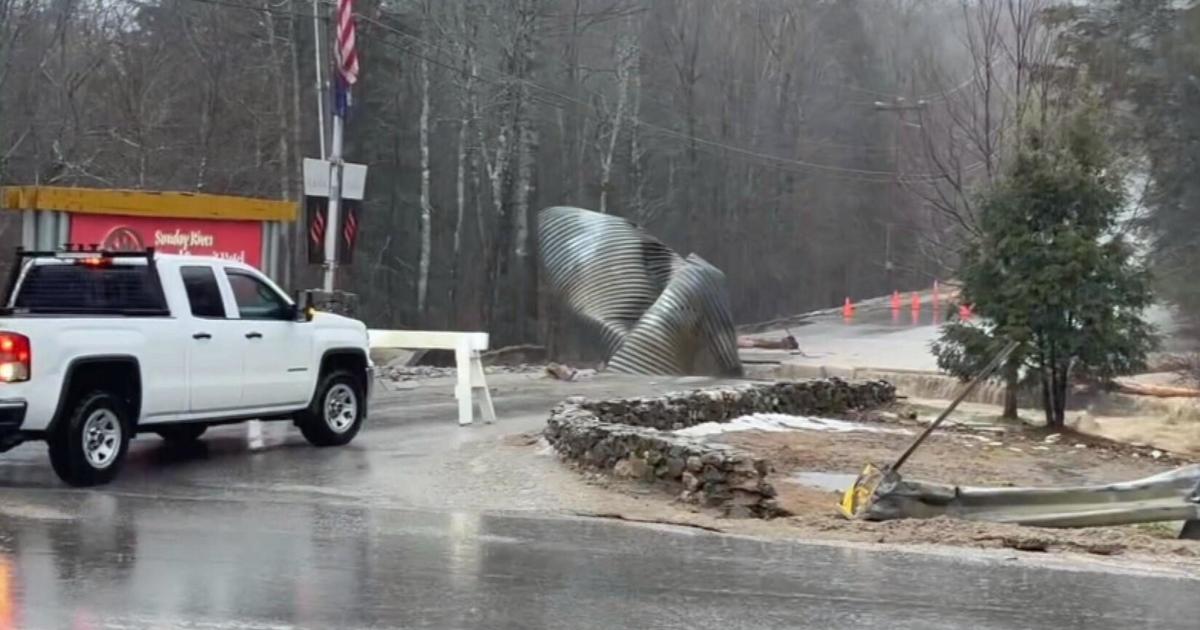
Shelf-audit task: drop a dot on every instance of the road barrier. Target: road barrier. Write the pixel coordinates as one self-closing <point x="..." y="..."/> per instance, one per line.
<point x="467" y="347"/>
<point x="1170" y="496"/>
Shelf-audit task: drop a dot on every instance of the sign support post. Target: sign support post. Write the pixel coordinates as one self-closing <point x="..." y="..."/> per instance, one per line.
<point x="335" y="202"/>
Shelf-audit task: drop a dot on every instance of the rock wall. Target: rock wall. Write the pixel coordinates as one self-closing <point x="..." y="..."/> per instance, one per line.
<point x="632" y="437"/>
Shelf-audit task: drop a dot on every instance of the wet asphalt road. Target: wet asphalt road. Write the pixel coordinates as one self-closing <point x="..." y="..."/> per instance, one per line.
<point x="218" y="537"/>
<point x="879" y="336"/>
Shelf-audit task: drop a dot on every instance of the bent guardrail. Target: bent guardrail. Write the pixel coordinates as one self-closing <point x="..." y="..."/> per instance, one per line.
<point x="1170" y="496"/>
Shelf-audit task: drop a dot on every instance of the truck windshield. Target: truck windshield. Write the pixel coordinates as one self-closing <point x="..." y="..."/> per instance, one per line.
<point x="76" y="288"/>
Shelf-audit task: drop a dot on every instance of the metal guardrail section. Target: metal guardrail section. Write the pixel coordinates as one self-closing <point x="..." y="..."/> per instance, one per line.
<point x="656" y="312"/>
<point x="1169" y="496"/>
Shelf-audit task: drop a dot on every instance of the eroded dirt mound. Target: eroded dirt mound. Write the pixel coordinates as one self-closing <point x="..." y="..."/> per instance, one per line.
<point x="991" y="456"/>
<point x="965" y="458"/>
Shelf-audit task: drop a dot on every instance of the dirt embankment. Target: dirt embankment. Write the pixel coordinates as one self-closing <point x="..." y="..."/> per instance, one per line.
<point x="981" y="455"/>
<point x="1012" y="457"/>
<point x="995" y="455"/>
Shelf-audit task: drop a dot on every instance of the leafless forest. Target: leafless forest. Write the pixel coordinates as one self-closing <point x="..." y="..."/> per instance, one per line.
<point x="812" y="149"/>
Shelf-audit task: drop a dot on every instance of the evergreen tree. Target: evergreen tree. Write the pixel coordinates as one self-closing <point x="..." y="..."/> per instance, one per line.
<point x="1052" y="270"/>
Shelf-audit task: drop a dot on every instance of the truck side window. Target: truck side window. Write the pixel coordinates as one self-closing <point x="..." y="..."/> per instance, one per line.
<point x="255" y="299"/>
<point x="203" y="293"/>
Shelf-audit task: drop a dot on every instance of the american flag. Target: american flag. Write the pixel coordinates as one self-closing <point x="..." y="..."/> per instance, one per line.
<point x="347" y="54"/>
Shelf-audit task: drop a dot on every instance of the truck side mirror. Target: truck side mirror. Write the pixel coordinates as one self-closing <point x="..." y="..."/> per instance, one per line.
<point x="304" y="306"/>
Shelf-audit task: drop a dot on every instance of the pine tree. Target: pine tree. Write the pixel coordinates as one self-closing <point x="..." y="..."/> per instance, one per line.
<point x="1053" y="271"/>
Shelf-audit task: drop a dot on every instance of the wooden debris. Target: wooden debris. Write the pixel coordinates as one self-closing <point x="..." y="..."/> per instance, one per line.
<point x="1158" y="391"/>
<point x="561" y="372"/>
<point x="787" y="342"/>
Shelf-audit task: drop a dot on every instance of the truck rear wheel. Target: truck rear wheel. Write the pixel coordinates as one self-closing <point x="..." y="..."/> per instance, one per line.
<point x="89" y="445"/>
<point x="337" y="410"/>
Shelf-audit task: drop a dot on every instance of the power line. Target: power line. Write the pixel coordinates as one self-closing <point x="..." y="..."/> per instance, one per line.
<point x="931" y="96"/>
<point x="889" y="175"/>
<point x="856" y="174"/>
<point x="651" y="98"/>
<point x="861" y="175"/>
<point x="244" y="7"/>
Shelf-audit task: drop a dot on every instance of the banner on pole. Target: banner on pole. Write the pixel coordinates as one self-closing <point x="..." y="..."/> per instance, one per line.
<point x="348" y="230"/>
<point x="314" y="221"/>
<point x="316" y="208"/>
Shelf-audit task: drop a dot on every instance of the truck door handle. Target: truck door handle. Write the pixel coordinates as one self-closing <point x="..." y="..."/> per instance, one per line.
<point x="254" y="335"/>
<point x="201" y="335"/>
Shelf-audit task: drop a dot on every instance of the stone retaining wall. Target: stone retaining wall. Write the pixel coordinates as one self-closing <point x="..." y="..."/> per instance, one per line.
<point x="632" y="437"/>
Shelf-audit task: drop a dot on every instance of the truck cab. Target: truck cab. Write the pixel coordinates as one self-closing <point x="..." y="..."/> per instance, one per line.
<point x="98" y="346"/>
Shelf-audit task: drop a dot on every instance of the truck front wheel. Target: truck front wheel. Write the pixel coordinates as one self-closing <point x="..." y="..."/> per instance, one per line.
<point x="337" y="410"/>
<point x="89" y="445"/>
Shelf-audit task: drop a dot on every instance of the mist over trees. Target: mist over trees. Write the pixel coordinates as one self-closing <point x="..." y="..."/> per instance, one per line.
<point x="811" y="149"/>
<point x="1143" y="56"/>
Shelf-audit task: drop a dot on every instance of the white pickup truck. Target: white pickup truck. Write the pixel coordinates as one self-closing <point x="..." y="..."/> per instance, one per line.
<point x="96" y="347"/>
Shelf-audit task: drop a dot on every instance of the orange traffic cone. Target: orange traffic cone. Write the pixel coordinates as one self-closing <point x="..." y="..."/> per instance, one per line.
<point x="936" y="296"/>
<point x="964" y="312"/>
<point x="848" y="310"/>
<point x="916" y="301"/>
<point x="895" y="300"/>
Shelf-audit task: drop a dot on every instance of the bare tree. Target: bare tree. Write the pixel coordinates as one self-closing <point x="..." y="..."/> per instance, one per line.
<point x="974" y="119"/>
<point x="464" y="32"/>
<point x="743" y="130"/>
<point x="426" y="201"/>
<point x="626" y="56"/>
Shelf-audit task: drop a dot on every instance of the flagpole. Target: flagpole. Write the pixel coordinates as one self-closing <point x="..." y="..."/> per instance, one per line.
<point x="335" y="194"/>
<point x="344" y="77"/>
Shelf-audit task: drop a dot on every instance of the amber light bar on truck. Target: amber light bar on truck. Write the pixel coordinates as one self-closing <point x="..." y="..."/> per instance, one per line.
<point x="16" y="357"/>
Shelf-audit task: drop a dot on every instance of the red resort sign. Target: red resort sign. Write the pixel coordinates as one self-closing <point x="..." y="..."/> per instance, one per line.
<point x="231" y="240"/>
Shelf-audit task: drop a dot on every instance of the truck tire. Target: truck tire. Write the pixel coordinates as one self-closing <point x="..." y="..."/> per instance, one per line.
<point x="337" y="410"/>
<point x="88" y="447"/>
<point x="182" y="433"/>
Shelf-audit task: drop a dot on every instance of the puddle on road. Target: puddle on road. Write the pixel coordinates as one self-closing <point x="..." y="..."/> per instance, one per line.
<point x="833" y="482"/>
<point x="782" y="422"/>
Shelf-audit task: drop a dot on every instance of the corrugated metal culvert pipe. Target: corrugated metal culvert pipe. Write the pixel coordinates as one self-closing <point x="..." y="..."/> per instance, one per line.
<point x="656" y="312"/>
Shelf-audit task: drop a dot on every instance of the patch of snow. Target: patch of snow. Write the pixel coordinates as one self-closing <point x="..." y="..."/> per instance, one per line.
<point x="782" y="422"/>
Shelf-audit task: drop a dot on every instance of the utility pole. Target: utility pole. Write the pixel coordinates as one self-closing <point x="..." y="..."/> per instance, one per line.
<point x="900" y="106"/>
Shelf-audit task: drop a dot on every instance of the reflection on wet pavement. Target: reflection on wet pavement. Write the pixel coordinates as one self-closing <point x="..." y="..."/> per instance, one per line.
<point x="217" y="537"/>
<point x="128" y="562"/>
